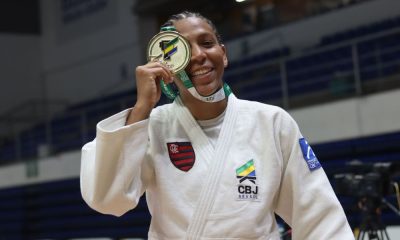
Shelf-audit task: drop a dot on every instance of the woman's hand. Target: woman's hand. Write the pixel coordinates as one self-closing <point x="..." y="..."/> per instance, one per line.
<point x="148" y="79"/>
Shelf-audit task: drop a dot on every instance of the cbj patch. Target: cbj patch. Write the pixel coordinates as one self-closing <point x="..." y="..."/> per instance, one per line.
<point x="247" y="182"/>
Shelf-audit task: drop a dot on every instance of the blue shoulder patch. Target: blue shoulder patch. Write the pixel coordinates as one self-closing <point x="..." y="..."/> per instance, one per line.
<point x="309" y="155"/>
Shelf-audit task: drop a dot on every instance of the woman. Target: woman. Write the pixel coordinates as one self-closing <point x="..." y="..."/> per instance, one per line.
<point x="216" y="169"/>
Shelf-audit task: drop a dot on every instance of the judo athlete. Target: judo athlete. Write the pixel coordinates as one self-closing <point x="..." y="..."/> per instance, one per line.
<point x="212" y="166"/>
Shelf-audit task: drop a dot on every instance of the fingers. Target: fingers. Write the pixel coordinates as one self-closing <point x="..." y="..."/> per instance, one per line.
<point x="148" y="79"/>
<point x="159" y="71"/>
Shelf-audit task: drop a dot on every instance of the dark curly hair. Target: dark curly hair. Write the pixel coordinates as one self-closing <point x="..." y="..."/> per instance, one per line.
<point x="187" y="14"/>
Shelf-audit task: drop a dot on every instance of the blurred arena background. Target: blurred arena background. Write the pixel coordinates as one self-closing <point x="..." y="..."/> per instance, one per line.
<point x="66" y="64"/>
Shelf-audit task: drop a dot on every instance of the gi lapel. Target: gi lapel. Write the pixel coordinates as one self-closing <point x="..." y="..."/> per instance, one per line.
<point x="216" y="160"/>
<point x="196" y="135"/>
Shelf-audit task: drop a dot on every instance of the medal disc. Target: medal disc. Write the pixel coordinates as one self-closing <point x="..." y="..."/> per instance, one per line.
<point x="170" y="48"/>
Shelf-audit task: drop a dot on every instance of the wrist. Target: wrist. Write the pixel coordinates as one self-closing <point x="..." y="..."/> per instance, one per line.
<point x="138" y="113"/>
<point x="143" y="107"/>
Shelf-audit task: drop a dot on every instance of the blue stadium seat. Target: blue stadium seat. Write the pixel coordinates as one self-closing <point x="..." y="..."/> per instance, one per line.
<point x="31" y="139"/>
<point x="360" y="31"/>
<point x="8" y="151"/>
<point x="56" y="210"/>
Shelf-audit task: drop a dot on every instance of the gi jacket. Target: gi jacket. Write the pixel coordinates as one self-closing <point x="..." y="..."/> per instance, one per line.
<point x="261" y="165"/>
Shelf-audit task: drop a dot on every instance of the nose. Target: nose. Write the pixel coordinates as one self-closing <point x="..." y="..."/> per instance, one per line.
<point x="198" y="53"/>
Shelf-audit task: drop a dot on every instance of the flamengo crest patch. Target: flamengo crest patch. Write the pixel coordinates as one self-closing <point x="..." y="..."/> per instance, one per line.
<point x="181" y="155"/>
<point x="247" y="186"/>
<point x="308" y="155"/>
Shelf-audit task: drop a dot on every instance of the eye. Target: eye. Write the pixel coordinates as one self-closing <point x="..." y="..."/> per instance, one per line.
<point x="208" y="43"/>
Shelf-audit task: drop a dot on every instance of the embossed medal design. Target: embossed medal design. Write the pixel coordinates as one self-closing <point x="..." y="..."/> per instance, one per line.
<point x="170" y="48"/>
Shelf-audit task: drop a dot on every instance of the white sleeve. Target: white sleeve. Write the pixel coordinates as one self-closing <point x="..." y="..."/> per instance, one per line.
<point x="115" y="169"/>
<point x="306" y="200"/>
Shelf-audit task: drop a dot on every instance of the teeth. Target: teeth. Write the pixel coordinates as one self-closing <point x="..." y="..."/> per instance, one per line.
<point x="199" y="72"/>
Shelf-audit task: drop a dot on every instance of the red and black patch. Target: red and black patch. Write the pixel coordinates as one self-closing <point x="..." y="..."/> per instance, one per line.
<point x="181" y="155"/>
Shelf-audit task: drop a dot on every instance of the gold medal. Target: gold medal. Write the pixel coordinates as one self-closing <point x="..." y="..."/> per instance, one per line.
<point x="171" y="49"/>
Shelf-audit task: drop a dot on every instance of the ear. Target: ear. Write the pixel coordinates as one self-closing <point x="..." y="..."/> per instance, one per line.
<point x="225" y="56"/>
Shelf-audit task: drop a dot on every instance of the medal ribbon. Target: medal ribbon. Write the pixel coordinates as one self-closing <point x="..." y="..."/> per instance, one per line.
<point x="215" y="97"/>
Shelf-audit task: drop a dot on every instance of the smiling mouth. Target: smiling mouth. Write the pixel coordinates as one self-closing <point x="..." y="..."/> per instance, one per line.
<point x="201" y="72"/>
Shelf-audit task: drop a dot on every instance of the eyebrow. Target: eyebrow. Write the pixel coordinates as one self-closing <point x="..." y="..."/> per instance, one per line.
<point x="207" y="34"/>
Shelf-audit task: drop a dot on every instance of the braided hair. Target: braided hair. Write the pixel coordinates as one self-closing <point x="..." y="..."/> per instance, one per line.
<point x="187" y="14"/>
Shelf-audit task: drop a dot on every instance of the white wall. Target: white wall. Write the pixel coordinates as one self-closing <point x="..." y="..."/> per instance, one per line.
<point x="308" y="32"/>
<point x="19" y="69"/>
<point x="82" y="59"/>
<point x="62" y="166"/>
<point x="352" y="118"/>
<point x="74" y="61"/>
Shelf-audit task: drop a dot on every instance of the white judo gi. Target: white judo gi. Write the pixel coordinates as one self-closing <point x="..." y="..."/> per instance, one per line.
<point x="260" y="165"/>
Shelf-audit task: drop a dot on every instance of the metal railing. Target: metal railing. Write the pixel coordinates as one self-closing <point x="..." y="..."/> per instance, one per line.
<point x="325" y="73"/>
<point x="322" y="74"/>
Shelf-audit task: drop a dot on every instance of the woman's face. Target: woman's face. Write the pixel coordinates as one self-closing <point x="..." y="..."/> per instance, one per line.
<point x="208" y="60"/>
